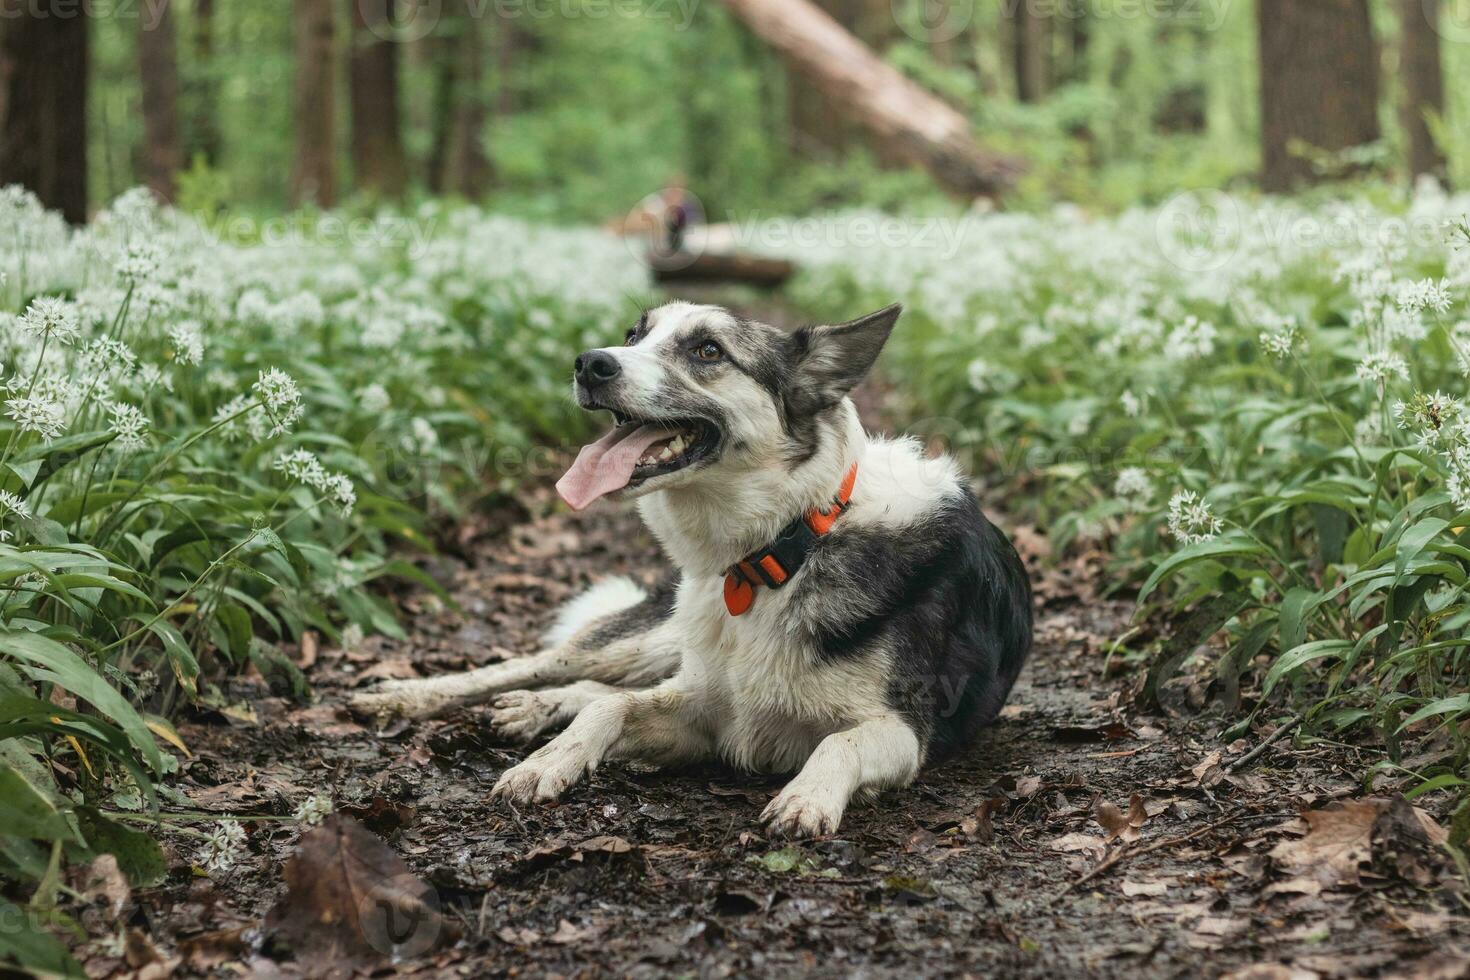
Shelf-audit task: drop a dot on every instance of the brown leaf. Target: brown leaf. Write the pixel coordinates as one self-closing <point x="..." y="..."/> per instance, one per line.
<point x="1209" y="772"/>
<point x="1149" y="888"/>
<point x="351" y="901"/>
<point x="1339" y="838"/>
<point x="1116" y="823"/>
<point x="104" y="883"/>
<point x="1086" y="843"/>
<point x="395" y="669"/>
<point x="1028" y="786"/>
<point x="566" y="934"/>
<point x="310" y="644"/>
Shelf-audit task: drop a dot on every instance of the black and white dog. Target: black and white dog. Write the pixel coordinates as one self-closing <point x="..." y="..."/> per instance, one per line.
<point x="842" y="608"/>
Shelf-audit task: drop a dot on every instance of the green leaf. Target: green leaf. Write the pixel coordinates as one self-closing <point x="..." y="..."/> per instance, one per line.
<point x="139" y="856"/>
<point x="1414" y="539"/>
<point x="1294" y="659"/>
<point x="1218" y="548"/>
<point x="24" y="944"/>
<point x="82" y="681"/>
<point x="26" y="812"/>
<point x="185" y="665"/>
<point x="1444" y="706"/>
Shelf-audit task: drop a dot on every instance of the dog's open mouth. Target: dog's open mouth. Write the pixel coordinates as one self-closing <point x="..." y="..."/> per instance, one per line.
<point x="633" y="452"/>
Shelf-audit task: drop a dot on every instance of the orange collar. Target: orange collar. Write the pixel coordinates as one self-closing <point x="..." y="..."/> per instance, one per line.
<point x="774" y="564"/>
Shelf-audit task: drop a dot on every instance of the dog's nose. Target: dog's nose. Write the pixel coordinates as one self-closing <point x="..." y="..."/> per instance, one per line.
<point x="597" y="367"/>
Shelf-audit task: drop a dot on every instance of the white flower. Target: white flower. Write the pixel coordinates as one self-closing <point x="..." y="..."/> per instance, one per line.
<point x="1191" y="340"/>
<point x="1426" y="294"/>
<point x="1458" y="483"/>
<point x="139" y="263"/>
<point x="11" y="504"/>
<point x="374" y="399"/>
<point x="303" y="466"/>
<point x="352" y="637"/>
<point x="224" y="846"/>
<point x="1133" y="481"/>
<point x="53" y="317"/>
<point x="314" y="809"/>
<point x="103" y="354"/>
<point x="188" y="341"/>
<point x="232" y="429"/>
<point x="1190" y="518"/>
<point x="978" y="374"/>
<point x="1381" y="367"/>
<point x="38" y="414"/>
<point x="130" y="425"/>
<point x="1282" y="341"/>
<point x="1132" y="404"/>
<point x="151" y="376"/>
<point x="282" y="399"/>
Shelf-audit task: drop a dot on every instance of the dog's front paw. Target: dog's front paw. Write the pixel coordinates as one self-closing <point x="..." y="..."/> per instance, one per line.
<point x="799" y="812"/>
<point x="522" y="715"/>
<point x="399" y="699"/>
<point x="543" y="777"/>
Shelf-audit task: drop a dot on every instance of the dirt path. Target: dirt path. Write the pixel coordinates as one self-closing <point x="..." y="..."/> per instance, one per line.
<point x="1079" y="837"/>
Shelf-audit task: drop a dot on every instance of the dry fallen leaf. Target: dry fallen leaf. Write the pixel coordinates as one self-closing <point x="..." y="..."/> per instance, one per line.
<point x="1028" y="786"/>
<point x="1339" y="838"/>
<point x="1208" y="772"/>
<point x="105" y="884"/>
<point x="351" y="901"/>
<point x="1149" y="888"/>
<point x="1085" y="843"/>
<point x="1115" y="823"/>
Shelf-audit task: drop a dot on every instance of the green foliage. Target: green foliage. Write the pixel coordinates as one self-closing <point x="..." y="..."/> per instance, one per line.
<point x="175" y="505"/>
<point x="1242" y="403"/>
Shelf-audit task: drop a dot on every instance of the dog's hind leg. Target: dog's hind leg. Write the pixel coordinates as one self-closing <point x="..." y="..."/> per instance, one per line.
<point x="619" y="647"/>
<point x="880" y="753"/>
<point x="523" y="715"/>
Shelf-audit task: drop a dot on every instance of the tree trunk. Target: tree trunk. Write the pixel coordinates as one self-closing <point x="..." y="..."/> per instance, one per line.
<point x="158" y="65"/>
<point x="1423" y="85"/>
<point x="901" y="117"/>
<point x="377" y="141"/>
<point x="204" y="138"/>
<point x="43" y="99"/>
<point x="1030" y="40"/>
<point x="818" y="130"/>
<point x="314" y="175"/>
<point x="1319" y="85"/>
<point x="465" y="169"/>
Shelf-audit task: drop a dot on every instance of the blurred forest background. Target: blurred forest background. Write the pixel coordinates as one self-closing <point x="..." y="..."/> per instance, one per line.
<point x="575" y="109"/>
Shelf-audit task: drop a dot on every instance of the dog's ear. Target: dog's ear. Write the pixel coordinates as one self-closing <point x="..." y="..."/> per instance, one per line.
<point x="831" y="360"/>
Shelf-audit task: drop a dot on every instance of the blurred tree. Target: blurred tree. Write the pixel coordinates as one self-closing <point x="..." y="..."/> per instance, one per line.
<point x="1423" y="82"/>
<point x="314" y="174"/>
<point x="158" y="67"/>
<point x="1319" y="85"/>
<point x="901" y="117"/>
<point x="43" y="101"/>
<point x="1030" y="32"/>
<point x="203" y="130"/>
<point x="377" y="141"/>
<point x="458" y="163"/>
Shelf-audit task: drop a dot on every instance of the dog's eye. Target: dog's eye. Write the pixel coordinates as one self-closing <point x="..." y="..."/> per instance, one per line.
<point x="631" y="338"/>
<point x="709" y="351"/>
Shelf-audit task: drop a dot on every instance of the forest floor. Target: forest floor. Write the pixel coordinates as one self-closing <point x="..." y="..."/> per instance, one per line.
<point x="1081" y="836"/>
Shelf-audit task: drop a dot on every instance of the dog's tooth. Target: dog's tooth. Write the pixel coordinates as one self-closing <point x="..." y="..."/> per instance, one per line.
<point x="677" y="445"/>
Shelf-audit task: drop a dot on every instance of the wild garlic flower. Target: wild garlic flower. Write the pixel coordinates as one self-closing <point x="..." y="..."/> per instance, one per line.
<point x="188" y="341"/>
<point x="51" y="316"/>
<point x="36" y="413"/>
<point x="277" y="391"/>
<point x="1190" y="518"/>
<point x="1134" y="487"/>
<point x="1132" y="404"/>
<point x="1382" y="366"/>
<point x="374" y="399"/>
<point x="12" y="504"/>
<point x="303" y="466"/>
<point x="1426" y="294"/>
<point x="102" y="355"/>
<point x="1428" y="416"/>
<point x="1457" y="460"/>
<point x="352" y="637"/>
<point x="224" y="847"/>
<point x="314" y="809"/>
<point x="139" y="263"/>
<point x="130" y="425"/>
<point x="1191" y="340"/>
<point x="1281" y="342"/>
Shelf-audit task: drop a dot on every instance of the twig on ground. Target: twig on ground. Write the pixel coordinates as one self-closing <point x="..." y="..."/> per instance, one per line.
<point x="1287" y="726"/>
<point x="1127" y="853"/>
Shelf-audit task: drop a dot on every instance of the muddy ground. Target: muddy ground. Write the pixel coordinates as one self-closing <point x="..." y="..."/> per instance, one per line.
<point x="1081" y="836"/>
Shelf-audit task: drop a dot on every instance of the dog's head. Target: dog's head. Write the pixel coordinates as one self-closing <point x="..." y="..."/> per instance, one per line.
<point x="699" y="394"/>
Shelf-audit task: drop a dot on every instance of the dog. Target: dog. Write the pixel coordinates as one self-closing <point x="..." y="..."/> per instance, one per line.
<point x="842" y="609"/>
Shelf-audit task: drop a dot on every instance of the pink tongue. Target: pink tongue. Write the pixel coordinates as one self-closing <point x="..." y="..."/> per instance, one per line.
<point x="607" y="464"/>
